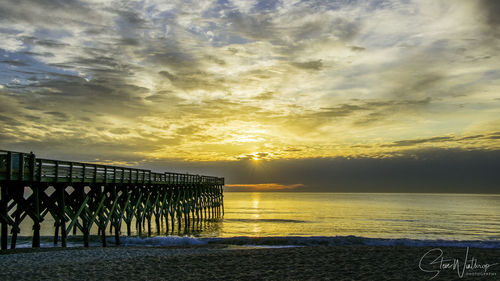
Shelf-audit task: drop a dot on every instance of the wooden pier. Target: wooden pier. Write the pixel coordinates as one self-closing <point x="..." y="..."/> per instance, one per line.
<point x="80" y="195"/>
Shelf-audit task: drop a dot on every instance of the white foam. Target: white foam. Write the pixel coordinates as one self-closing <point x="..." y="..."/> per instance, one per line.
<point x="161" y="241"/>
<point x="273" y="246"/>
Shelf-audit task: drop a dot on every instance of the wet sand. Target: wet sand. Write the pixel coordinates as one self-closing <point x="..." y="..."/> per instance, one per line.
<point x="226" y="262"/>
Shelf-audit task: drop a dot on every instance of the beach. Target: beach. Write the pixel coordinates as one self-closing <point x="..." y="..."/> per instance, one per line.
<point x="236" y="262"/>
<point x="274" y="236"/>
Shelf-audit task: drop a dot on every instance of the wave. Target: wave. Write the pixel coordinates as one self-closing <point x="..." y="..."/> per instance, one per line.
<point x="161" y="241"/>
<point x="289" y="241"/>
<point x="95" y="241"/>
<point x="266" y="220"/>
<point x="279" y="241"/>
<point x="393" y="220"/>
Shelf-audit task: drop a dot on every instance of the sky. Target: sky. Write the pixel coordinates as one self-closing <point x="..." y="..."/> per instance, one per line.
<point x="373" y="96"/>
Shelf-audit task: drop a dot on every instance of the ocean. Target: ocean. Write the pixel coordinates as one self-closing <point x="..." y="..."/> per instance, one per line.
<point x="286" y="218"/>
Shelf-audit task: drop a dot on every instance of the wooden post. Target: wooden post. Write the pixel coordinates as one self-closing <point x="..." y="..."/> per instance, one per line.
<point x="166" y="208"/>
<point x="85" y="237"/>
<point x="138" y="219"/>
<point x="218" y="201"/>
<point x="188" y="205"/>
<point x="205" y="202"/>
<point x="101" y="226"/>
<point x="179" y="209"/>
<point x="4" y="201"/>
<point x="3" y="209"/>
<point x="198" y="202"/>
<point x="117" y="236"/>
<point x="103" y="237"/>
<point x="36" y="219"/>
<point x="129" y="229"/>
<point x="171" y="206"/>
<point x="15" y="230"/>
<point x="61" y="194"/>
<point x="117" y="219"/>
<point x="157" y="209"/>
<point x="166" y="221"/>
<point x="56" y="232"/>
<point x="162" y="208"/>
<point x="85" y="229"/>
<point x="149" y="225"/>
<point x="148" y="208"/>
<point x="222" y="198"/>
<point x="127" y="215"/>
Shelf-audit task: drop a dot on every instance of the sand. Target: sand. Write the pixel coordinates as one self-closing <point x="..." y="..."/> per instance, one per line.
<point x="226" y="262"/>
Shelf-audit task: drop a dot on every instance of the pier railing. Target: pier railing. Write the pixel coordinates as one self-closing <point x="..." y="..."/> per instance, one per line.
<point x="82" y="194"/>
<point x="20" y="166"/>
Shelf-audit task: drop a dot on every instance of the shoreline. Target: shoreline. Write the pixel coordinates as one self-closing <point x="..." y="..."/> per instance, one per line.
<point x="230" y="262"/>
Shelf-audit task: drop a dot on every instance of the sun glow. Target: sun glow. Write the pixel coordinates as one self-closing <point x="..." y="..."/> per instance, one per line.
<point x="256" y="158"/>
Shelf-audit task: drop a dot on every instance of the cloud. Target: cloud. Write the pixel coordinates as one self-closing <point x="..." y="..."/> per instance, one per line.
<point x="14" y="62"/>
<point x="311" y="65"/>
<point x="362" y="113"/>
<point x="440" y="140"/>
<point x="228" y="80"/>
<point x="57" y="114"/>
<point x="194" y="80"/>
<point x="8" y="120"/>
<point x="253" y="27"/>
<point x="413" y="170"/>
<point x="491" y="8"/>
<point x="265" y="96"/>
<point x="420" y="141"/>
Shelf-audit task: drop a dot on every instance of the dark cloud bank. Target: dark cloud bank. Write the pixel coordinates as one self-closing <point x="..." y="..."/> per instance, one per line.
<point x="433" y="170"/>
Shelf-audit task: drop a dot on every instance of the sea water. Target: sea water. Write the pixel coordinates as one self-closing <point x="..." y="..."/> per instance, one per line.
<point x="332" y="218"/>
<point x="375" y="215"/>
